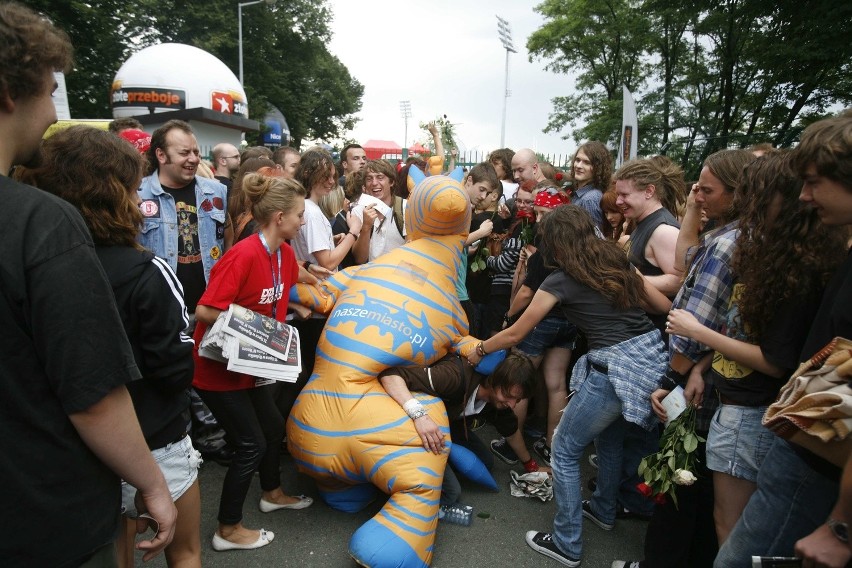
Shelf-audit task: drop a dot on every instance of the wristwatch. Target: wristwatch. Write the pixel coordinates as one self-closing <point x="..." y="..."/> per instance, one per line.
<point x="840" y="530"/>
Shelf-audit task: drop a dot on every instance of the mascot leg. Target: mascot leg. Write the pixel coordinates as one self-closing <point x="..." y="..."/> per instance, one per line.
<point x="402" y="533"/>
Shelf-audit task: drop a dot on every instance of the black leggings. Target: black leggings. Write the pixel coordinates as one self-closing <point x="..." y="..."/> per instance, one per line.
<point x="254" y="426"/>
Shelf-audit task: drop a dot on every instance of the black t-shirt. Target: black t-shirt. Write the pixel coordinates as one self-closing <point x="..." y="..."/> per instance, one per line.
<point x="593" y="314"/>
<point x="537" y="272"/>
<point x="63" y="350"/>
<point x="479" y="282"/>
<point x="190" y="269"/>
<point x="226" y="181"/>
<point x="834" y="317"/>
<point x="638" y="241"/>
<point x="780" y="345"/>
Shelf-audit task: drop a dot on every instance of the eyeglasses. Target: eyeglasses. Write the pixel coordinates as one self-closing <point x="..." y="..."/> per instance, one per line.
<point x="524" y="201"/>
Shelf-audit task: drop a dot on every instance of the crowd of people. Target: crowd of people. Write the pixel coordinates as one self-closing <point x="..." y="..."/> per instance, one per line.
<point x="609" y="288"/>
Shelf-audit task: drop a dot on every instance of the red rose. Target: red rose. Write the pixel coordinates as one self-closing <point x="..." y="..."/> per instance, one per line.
<point x="558" y="176"/>
<point x="644" y="489"/>
<point x="525" y="215"/>
<point x="660" y="498"/>
<point x="218" y="203"/>
<point x="206" y="205"/>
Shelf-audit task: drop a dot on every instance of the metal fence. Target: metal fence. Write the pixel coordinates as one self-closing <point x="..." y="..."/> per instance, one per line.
<point x="470" y="158"/>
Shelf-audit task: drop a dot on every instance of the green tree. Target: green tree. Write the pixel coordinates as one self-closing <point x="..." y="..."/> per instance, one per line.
<point x="603" y="42"/>
<point x="286" y="62"/>
<point x="100" y="32"/>
<point x="708" y="74"/>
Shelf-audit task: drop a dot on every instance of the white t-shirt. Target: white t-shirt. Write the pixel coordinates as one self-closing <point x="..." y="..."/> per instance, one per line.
<point x="510" y="189"/>
<point x="314" y="235"/>
<point x="385" y="236"/>
<point x="473" y="406"/>
<point x="365" y="200"/>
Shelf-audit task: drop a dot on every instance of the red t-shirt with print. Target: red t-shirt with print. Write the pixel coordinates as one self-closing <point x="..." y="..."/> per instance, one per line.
<point x="244" y="277"/>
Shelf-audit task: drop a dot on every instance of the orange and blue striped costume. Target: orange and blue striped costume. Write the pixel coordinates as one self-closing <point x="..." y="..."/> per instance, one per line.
<point x="344" y="430"/>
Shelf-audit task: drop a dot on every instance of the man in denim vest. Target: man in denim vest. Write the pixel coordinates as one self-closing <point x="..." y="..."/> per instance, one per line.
<point x="184" y="220"/>
<point x="184" y="214"/>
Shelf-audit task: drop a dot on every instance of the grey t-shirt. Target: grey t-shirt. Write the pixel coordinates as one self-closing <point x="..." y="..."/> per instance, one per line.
<point x="590" y="311"/>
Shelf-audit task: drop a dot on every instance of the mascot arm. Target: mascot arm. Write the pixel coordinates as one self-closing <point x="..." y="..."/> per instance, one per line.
<point x="317" y="298"/>
<point x="321" y="297"/>
<point x="464" y="345"/>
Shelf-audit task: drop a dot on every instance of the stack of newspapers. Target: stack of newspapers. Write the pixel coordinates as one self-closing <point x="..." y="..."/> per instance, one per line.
<point x="253" y="344"/>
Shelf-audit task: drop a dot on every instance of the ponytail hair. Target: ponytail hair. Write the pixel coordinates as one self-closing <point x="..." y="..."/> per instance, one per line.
<point x="268" y="195"/>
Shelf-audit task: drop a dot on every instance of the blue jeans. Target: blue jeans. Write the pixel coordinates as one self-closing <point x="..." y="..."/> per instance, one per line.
<point x="638" y="443"/>
<point x="594" y="412"/>
<point x="792" y="500"/>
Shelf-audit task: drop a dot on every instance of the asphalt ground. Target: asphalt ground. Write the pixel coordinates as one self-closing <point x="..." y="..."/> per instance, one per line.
<point x="318" y="536"/>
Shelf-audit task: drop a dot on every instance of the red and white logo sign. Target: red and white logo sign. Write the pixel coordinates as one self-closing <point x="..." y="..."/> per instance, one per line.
<point x="228" y="102"/>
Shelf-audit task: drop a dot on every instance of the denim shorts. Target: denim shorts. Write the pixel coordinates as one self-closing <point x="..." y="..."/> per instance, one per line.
<point x="178" y="461"/>
<point x="738" y="442"/>
<point x="550" y="332"/>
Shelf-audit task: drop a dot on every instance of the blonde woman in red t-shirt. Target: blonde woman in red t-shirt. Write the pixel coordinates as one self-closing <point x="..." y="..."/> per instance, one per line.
<point x="256" y="273"/>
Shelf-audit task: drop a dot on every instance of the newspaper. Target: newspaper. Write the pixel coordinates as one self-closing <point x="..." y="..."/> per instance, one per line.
<point x="253" y="344"/>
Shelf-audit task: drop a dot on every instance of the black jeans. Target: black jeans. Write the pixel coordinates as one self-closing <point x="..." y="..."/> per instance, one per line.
<point x="684" y="537"/>
<point x="255" y="428"/>
<point x="310" y="331"/>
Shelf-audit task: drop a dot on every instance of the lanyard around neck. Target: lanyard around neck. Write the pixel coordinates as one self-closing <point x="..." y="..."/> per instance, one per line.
<point x="276" y="279"/>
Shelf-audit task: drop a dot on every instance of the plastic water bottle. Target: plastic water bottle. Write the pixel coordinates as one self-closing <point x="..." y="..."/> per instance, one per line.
<point x="456" y="514"/>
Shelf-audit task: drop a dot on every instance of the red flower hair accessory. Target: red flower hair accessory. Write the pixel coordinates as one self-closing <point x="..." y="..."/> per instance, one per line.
<point x="550" y="200"/>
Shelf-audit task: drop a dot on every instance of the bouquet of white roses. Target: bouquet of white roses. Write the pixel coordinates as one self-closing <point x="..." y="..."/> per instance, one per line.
<point x="674" y="463"/>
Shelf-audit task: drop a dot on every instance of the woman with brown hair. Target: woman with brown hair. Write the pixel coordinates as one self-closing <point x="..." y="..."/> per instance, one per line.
<point x="613" y="225"/>
<point x="99" y="174"/>
<point x="783" y="258"/>
<point x="257" y="273"/>
<point x="595" y="288"/>
<point x="239" y="206"/>
<point x="315" y="240"/>
<point x="591" y="172"/>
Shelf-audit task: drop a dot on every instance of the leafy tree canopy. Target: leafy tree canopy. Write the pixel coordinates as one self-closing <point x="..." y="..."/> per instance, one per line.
<point x="286" y="62"/>
<point x="706" y="75"/>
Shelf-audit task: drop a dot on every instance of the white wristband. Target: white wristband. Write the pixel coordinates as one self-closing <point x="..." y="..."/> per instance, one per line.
<point x="412" y="406"/>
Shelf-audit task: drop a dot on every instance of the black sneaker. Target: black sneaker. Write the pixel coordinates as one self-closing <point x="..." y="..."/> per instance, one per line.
<point x="501" y="449"/>
<point x="587" y="512"/>
<point x="543" y="543"/>
<point x="626" y="564"/>
<point x="543" y="450"/>
<point x="593" y="460"/>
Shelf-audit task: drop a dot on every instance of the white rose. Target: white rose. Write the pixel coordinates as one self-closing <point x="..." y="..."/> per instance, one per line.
<point x="684" y="477"/>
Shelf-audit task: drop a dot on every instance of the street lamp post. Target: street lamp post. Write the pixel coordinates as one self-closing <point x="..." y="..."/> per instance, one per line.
<point x="240" y="25"/>
<point x="405" y="108"/>
<point x="504" y="32"/>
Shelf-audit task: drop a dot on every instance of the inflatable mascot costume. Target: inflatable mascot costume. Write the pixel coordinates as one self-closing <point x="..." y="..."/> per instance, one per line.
<point x="344" y="430"/>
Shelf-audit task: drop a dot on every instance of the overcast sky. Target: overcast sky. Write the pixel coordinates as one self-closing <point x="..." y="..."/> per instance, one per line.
<point x="445" y="57"/>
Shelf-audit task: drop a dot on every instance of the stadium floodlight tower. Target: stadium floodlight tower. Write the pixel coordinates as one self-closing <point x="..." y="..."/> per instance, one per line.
<point x="504" y="32"/>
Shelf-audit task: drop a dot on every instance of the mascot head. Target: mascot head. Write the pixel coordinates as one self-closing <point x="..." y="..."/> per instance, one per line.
<point x="438" y="206"/>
